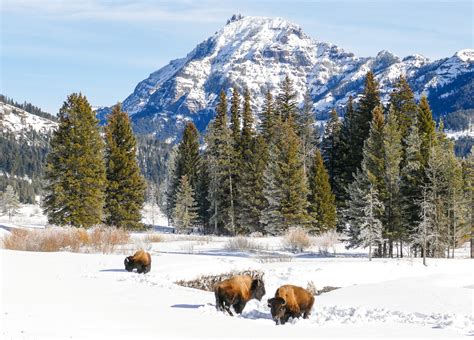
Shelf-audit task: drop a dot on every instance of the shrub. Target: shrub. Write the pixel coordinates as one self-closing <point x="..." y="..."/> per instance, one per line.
<point x="296" y="240"/>
<point x="154" y="237"/>
<point x="241" y="243"/>
<point x="326" y="241"/>
<point x="207" y="282"/>
<point x="106" y="239"/>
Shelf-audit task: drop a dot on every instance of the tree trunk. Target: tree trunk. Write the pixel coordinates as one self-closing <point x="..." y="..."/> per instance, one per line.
<point x="370" y="252"/>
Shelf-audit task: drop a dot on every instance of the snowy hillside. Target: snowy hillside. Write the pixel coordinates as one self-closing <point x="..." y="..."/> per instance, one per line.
<point x="258" y="52"/>
<point x="19" y="122"/>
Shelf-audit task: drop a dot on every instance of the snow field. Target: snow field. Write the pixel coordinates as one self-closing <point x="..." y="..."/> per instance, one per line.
<point x="91" y="296"/>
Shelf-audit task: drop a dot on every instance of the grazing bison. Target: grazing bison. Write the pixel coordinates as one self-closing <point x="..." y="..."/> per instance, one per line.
<point x="290" y="301"/>
<point x="140" y="260"/>
<point x="237" y="291"/>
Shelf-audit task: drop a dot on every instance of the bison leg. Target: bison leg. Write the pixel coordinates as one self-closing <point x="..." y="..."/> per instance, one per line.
<point x="147" y="269"/>
<point x="239" y="306"/>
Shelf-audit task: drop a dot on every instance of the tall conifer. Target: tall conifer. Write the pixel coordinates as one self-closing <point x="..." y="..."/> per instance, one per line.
<point x="322" y="206"/>
<point x="75" y="169"/>
<point x="125" y="190"/>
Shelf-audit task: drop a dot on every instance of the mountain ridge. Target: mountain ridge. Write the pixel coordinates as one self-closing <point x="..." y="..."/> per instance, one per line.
<point x="257" y="52"/>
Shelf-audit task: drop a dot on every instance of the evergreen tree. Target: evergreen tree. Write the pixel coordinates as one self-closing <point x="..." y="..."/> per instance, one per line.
<point x="322" y="206"/>
<point x="219" y="154"/>
<point x="285" y="187"/>
<point x="293" y="181"/>
<point x="411" y="183"/>
<point x="362" y="118"/>
<point x="202" y="195"/>
<point x="268" y="118"/>
<point x="250" y="172"/>
<point x="426" y="129"/>
<point x="402" y="101"/>
<point x="345" y="162"/>
<point x="373" y="152"/>
<point x="185" y="211"/>
<point x="10" y="202"/>
<point x="169" y="182"/>
<point x="235" y="116"/>
<point x="392" y="156"/>
<point x="187" y="162"/>
<point x="306" y="131"/>
<point x="286" y="101"/>
<point x="125" y="190"/>
<point x="330" y="147"/>
<point x="75" y="169"/>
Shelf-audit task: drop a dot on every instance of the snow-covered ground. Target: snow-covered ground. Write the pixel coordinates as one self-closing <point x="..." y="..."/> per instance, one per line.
<point x="90" y="296"/>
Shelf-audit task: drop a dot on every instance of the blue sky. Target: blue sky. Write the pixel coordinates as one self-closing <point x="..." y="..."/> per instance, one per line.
<point x="103" y="48"/>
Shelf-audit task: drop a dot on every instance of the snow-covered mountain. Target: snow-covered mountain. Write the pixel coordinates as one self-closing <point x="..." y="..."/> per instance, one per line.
<point x="258" y="52"/>
<point x="20" y="123"/>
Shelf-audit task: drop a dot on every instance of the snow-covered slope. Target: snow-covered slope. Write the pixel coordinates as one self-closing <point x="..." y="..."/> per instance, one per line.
<point x="258" y="52"/>
<point x="21" y="123"/>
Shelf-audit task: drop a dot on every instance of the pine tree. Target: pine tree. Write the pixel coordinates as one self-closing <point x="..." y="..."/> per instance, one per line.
<point x="185" y="211"/>
<point x="330" y="148"/>
<point x="235" y="116"/>
<point x="219" y="154"/>
<point x="322" y="207"/>
<point x="170" y="183"/>
<point x="371" y="226"/>
<point x="392" y="156"/>
<point x="250" y="170"/>
<point x="293" y="181"/>
<point x="402" y="101"/>
<point x="268" y="117"/>
<point x="202" y="195"/>
<point x="373" y="152"/>
<point x="345" y="161"/>
<point x="426" y="129"/>
<point x="125" y="190"/>
<point x="306" y="131"/>
<point x="187" y="162"/>
<point x="286" y="101"/>
<point x="285" y="186"/>
<point x="75" y="169"/>
<point x="411" y="182"/>
<point x="10" y="202"/>
<point x="362" y="118"/>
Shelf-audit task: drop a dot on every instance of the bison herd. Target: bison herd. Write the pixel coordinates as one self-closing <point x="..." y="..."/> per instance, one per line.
<point x="289" y="302"/>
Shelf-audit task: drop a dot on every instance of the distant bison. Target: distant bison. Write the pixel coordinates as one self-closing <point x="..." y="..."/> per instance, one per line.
<point x="141" y="260"/>
<point x="237" y="291"/>
<point x="290" y="301"/>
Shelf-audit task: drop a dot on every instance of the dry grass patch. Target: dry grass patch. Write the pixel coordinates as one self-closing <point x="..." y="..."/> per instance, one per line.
<point x="154" y="237"/>
<point x="103" y="239"/>
<point x="296" y="240"/>
<point x="241" y="243"/>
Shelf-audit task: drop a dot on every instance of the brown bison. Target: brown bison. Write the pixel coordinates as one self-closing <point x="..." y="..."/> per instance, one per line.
<point x="141" y="260"/>
<point x="237" y="291"/>
<point x="290" y="301"/>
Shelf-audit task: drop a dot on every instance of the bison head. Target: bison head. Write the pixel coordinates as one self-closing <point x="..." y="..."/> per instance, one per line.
<point x="278" y="309"/>
<point x="258" y="289"/>
<point x="129" y="263"/>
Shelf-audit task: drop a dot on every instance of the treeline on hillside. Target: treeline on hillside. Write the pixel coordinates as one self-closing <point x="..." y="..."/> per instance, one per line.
<point x="28" y="107"/>
<point x="386" y="176"/>
<point x="459" y="120"/>
<point x="21" y="163"/>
